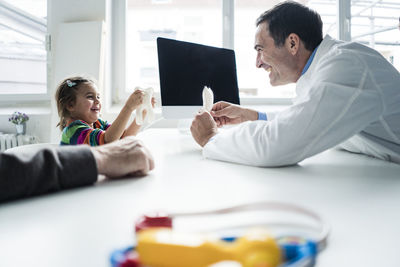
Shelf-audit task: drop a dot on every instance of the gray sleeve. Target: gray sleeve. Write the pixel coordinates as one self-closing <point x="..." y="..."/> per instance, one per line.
<point x="46" y="170"/>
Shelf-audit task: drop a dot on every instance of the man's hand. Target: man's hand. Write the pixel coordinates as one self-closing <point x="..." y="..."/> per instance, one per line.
<point x="124" y="157"/>
<point x="203" y="128"/>
<point x="226" y="113"/>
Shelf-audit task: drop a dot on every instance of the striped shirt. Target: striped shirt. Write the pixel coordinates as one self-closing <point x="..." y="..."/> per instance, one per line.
<point x="80" y="132"/>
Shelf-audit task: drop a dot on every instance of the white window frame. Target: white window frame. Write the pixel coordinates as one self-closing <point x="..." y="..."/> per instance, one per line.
<point x="37" y="99"/>
<point x="344" y="19"/>
<point x="118" y="52"/>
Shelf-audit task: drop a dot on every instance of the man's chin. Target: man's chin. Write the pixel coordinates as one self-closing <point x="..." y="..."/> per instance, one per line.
<point x="277" y="83"/>
<point x="274" y="83"/>
<point x="272" y="80"/>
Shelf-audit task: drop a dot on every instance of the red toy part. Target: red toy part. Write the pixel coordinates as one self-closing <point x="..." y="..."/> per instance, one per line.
<point x="157" y="219"/>
<point x="131" y="260"/>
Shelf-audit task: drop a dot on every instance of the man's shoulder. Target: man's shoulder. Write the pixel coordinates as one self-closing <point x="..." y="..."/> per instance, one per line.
<point x="337" y="56"/>
<point x="340" y="51"/>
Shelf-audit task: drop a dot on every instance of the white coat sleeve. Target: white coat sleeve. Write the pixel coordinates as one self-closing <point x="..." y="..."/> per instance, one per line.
<point x="341" y="100"/>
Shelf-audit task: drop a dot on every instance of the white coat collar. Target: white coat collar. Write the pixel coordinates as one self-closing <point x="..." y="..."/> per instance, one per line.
<point x="323" y="49"/>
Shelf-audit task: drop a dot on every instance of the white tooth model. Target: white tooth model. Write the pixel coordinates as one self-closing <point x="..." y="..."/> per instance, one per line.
<point x="208" y="99"/>
<point x="146" y="105"/>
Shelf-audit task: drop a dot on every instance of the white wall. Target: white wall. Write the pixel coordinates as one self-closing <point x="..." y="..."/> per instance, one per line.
<point x="60" y="11"/>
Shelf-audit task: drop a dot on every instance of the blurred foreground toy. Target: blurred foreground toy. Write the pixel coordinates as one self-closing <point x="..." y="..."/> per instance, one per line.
<point x="158" y="245"/>
<point x="169" y="248"/>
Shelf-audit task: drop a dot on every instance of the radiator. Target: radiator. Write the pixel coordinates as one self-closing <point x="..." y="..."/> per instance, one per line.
<point x="12" y="140"/>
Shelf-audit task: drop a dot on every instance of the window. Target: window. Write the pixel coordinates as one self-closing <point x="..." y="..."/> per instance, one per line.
<point x="253" y="82"/>
<point x="22" y="47"/>
<point x="194" y="21"/>
<point x="188" y="20"/>
<point x="201" y="22"/>
<point x="376" y="24"/>
<point x="327" y="9"/>
<point x="372" y="22"/>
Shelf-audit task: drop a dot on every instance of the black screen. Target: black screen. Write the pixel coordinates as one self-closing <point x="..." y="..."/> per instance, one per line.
<point x="185" y="68"/>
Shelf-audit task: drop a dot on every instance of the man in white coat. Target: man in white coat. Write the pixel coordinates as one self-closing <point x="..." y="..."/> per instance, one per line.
<point x="347" y="94"/>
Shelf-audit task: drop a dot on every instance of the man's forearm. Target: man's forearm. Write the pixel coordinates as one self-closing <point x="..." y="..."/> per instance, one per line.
<point x="47" y="170"/>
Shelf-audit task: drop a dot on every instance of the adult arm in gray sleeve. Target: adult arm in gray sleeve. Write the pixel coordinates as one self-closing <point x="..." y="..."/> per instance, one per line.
<point x="46" y="170"/>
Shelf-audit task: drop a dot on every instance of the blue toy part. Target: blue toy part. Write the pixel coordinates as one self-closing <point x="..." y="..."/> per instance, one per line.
<point x="297" y="251"/>
<point x="229" y="238"/>
<point x="120" y="257"/>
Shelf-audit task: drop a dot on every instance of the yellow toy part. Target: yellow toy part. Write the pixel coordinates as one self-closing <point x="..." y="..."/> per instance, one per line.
<point x="164" y="247"/>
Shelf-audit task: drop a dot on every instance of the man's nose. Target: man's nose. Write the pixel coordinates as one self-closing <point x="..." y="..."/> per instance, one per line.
<point x="258" y="61"/>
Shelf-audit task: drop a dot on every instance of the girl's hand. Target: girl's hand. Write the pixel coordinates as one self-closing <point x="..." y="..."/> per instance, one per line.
<point x="153" y="103"/>
<point x="135" y="99"/>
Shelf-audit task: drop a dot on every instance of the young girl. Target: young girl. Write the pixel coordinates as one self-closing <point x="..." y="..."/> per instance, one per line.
<point x="78" y="104"/>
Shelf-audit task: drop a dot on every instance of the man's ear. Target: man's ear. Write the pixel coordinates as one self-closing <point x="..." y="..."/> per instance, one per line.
<point x="292" y="43"/>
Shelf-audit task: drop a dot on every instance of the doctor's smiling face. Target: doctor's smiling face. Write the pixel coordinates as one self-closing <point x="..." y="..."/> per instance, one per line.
<point x="280" y="62"/>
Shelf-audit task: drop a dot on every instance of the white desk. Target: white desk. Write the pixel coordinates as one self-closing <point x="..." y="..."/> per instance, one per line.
<point x="357" y="195"/>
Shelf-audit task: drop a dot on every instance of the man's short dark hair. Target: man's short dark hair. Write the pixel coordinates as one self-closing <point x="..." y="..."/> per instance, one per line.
<point x="291" y="17"/>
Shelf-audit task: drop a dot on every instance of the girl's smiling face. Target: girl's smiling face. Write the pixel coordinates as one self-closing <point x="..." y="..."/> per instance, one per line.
<point x="87" y="105"/>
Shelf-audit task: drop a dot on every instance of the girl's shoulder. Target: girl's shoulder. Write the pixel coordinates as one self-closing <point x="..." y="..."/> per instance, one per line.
<point x="75" y="126"/>
<point x="74" y="131"/>
<point x="78" y="123"/>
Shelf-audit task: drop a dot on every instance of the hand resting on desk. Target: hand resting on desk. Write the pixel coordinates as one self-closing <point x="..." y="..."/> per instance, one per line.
<point x="126" y="157"/>
<point x="26" y="173"/>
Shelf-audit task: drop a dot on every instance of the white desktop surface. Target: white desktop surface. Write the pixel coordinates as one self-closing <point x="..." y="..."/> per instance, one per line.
<point x="359" y="196"/>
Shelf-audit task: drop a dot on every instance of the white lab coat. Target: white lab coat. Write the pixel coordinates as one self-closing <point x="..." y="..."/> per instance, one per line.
<point x="349" y="93"/>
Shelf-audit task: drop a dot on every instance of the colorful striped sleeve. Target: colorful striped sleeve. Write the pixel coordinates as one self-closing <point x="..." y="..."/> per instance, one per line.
<point x="79" y="132"/>
<point x="103" y="125"/>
